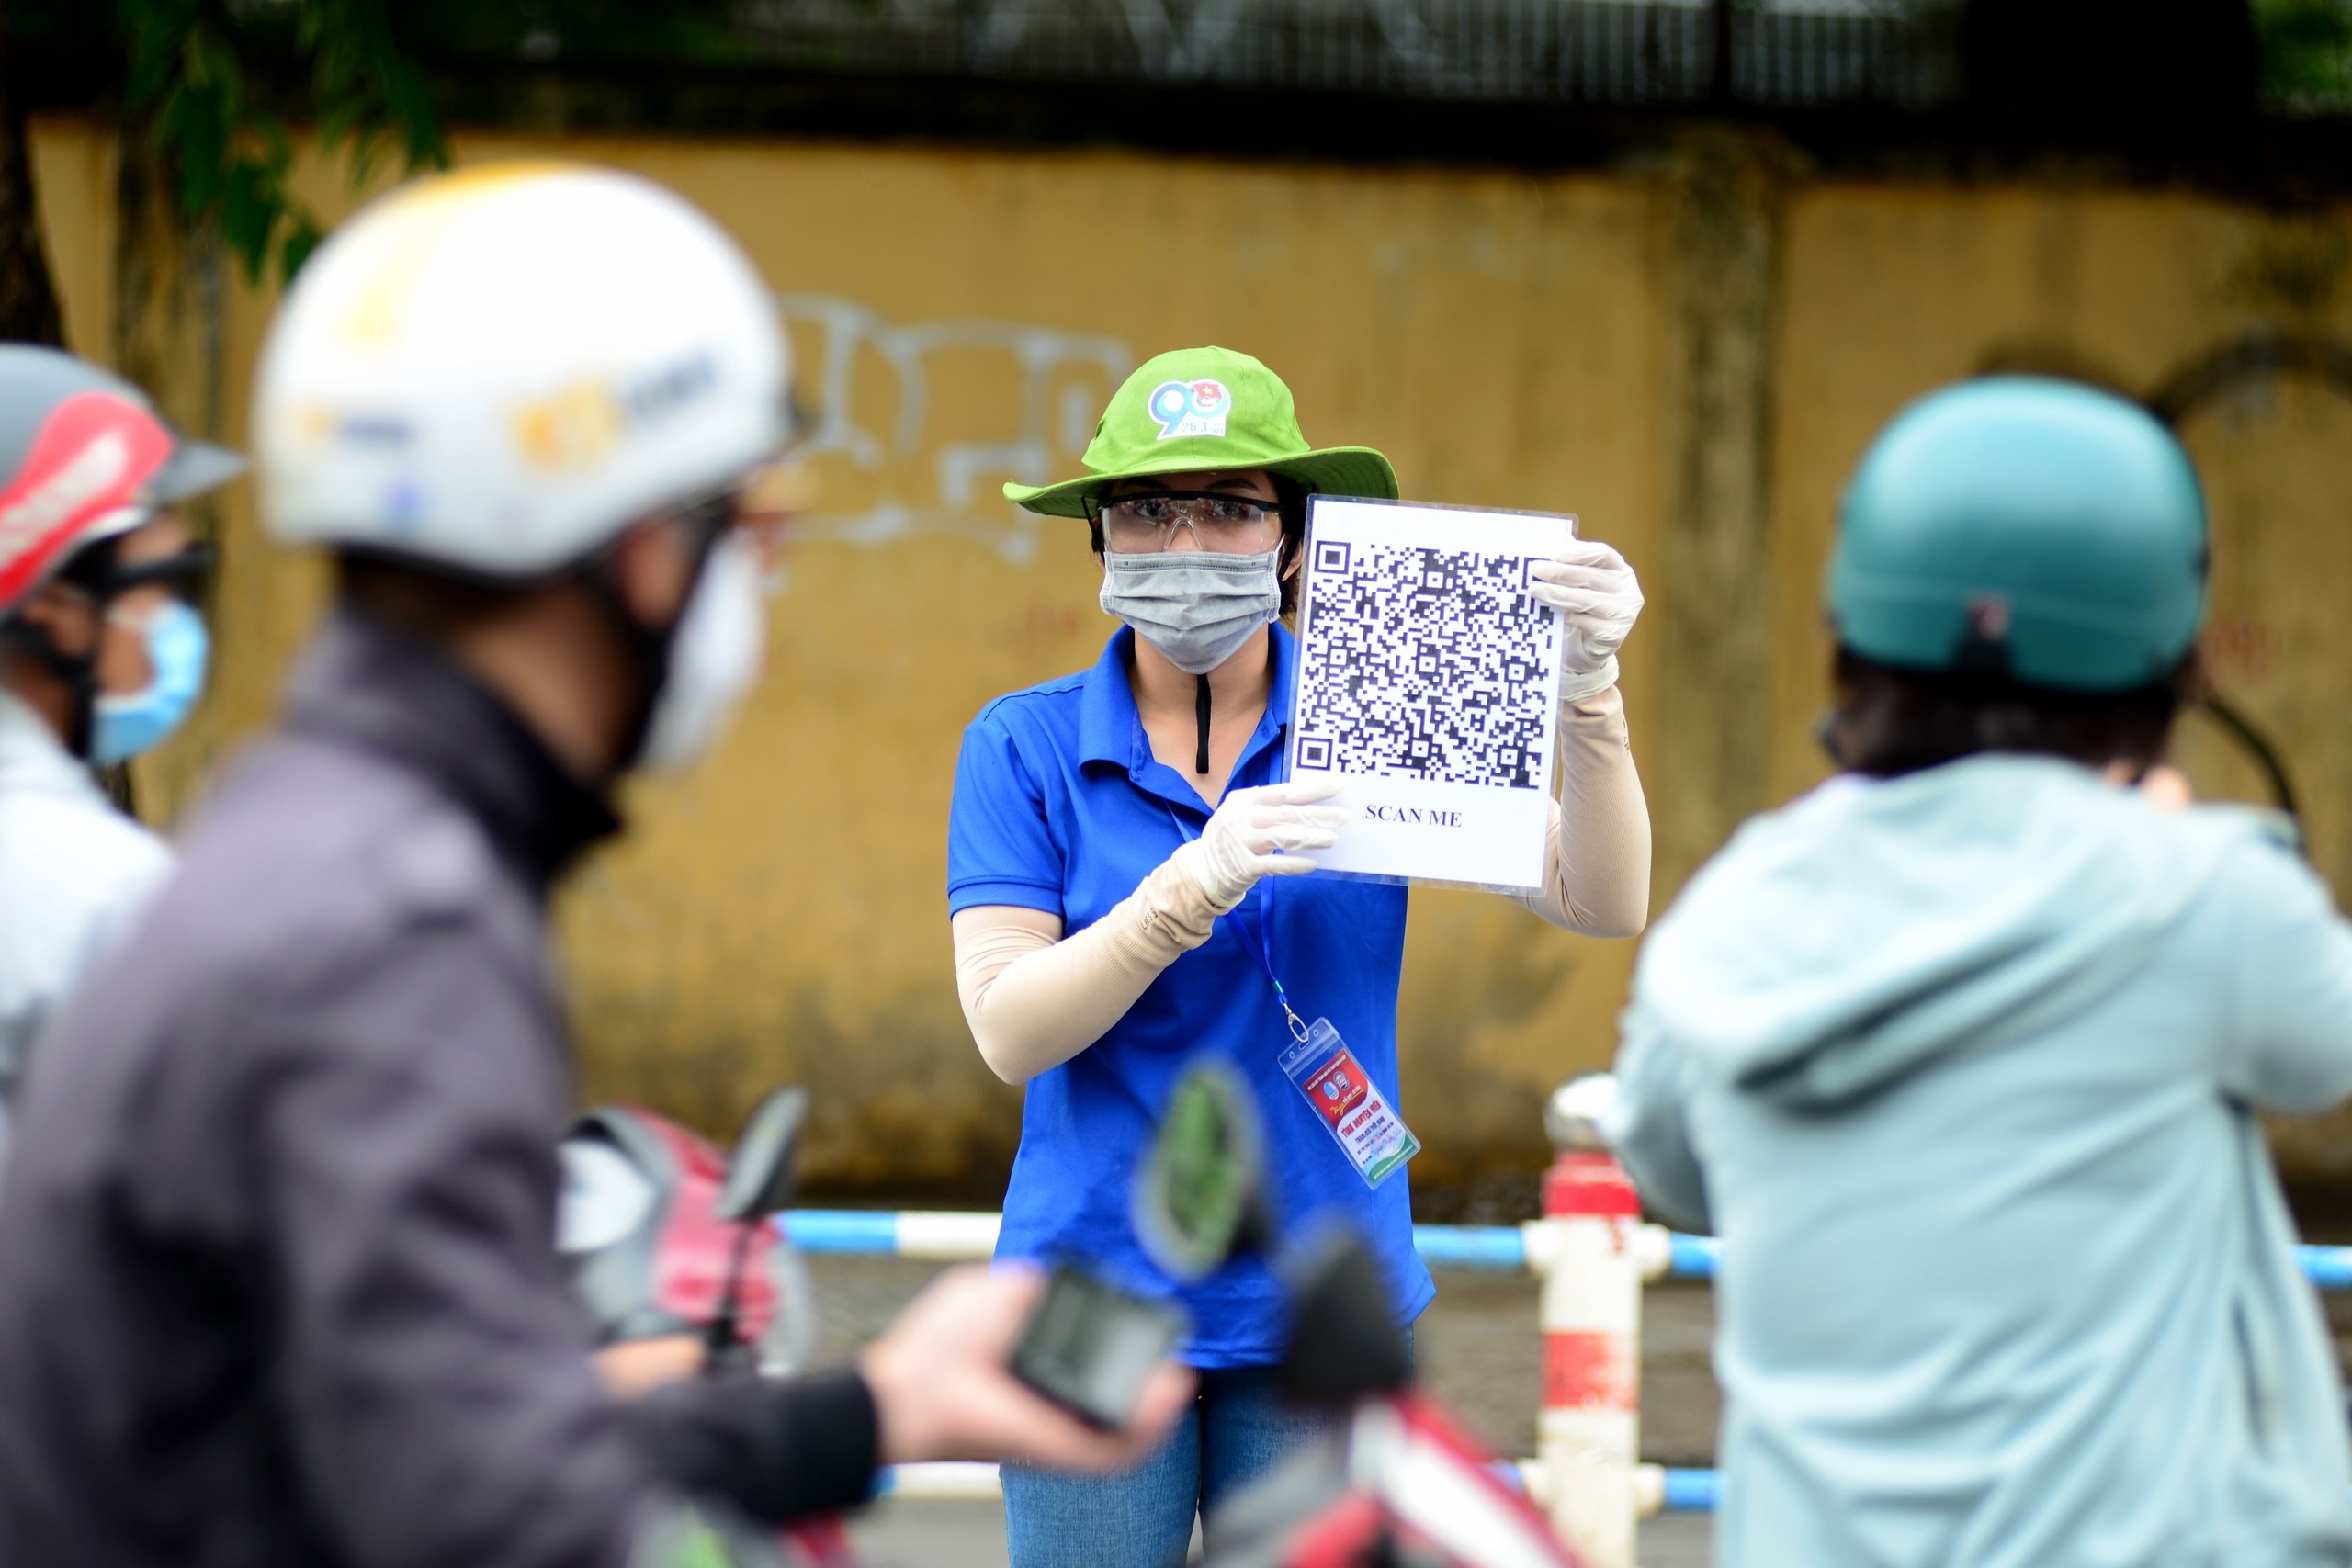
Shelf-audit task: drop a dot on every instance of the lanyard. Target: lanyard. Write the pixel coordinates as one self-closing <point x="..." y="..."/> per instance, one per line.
<point x="1265" y="936"/>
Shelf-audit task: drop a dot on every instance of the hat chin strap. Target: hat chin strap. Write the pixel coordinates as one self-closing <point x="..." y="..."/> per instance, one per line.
<point x="1200" y="716"/>
<point x="649" y="652"/>
<point x="648" y="648"/>
<point x="78" y="671"/>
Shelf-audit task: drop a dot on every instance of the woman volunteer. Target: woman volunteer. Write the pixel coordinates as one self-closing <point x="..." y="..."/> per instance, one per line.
<point x="1103" y="821"/>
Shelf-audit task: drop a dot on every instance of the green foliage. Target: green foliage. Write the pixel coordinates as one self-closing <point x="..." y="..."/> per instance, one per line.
<point x="2306" y="51"/>
<point x="191" y="91"/>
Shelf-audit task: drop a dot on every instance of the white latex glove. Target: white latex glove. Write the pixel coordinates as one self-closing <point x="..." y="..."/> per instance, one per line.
<point x="1238" y="846"/>
<point x="1596" y="592"/>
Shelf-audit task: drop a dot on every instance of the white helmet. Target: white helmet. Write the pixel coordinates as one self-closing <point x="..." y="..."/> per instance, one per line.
<point x="499" y="370"/>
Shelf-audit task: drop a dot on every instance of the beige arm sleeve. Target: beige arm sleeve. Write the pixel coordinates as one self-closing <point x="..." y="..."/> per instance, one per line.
<point x="1035" y="1000"/>
<point x="1597" y="863"/>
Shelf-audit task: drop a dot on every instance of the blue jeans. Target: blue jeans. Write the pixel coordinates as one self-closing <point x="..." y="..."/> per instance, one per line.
<point x="1236" y="1429"/>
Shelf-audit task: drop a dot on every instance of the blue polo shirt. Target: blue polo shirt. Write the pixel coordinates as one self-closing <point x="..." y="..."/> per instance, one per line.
<point x="1061" y="807"/>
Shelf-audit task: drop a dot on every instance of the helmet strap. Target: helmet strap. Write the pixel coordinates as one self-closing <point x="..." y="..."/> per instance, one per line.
<point x="648" y="647"/>
<point x="79" y="671"/>
<point x="1826" y="736"/>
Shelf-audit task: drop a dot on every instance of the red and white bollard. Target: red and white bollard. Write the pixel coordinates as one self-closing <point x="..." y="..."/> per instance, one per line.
<point x="1586" y="1249"/>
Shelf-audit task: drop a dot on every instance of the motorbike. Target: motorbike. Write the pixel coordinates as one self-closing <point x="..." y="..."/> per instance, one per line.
<point x="671" y="1246"/>
<point x="675" y="1256"/>
<point x="1398" y="1483"/>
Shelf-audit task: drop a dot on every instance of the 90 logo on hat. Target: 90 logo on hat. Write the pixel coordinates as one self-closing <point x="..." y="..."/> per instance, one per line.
<point x="1188" y="407"/>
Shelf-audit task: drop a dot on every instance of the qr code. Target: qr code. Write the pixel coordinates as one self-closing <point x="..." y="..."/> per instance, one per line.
<point x="1425" y="664"/>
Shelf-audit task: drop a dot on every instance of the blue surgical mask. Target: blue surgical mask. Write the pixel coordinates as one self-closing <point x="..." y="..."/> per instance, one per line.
<point x="124" y="725"/>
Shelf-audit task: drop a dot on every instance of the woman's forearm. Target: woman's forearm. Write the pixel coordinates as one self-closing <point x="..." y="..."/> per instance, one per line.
<point x="1034" y="998"/>
<point x="1597" y="861"/>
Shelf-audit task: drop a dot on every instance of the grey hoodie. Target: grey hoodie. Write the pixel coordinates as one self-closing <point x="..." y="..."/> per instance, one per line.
<point x="1962" y="1068"/>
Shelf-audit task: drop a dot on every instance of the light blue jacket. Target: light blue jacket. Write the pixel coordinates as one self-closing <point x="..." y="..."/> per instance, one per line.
<point x="1962" y="1068"/>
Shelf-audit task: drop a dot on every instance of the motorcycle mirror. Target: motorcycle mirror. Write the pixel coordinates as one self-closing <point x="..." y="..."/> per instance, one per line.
<point x="766" y="1165"/>
<point x="1572" y="1117"/>
<point x="1198" y="1198"/>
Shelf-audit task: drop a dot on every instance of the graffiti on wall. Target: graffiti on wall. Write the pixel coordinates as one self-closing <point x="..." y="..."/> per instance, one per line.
<point x="912" y="428"/>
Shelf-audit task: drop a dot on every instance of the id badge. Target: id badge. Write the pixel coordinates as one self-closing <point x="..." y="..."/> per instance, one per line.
<point x="1362" y="1121"/>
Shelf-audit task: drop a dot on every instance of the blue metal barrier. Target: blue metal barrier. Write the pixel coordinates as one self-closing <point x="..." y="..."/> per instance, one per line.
<point x="1496" y="1247"/>
<point x="884" y="1234"/>
<point x="1501" y="1248"/>
<point x="1694" y="1491"/>
<point x="1691" y="1257"/>
<point x="875" y="1233"/>
<point x="2328" y="1268"/>
<point x="859" y="1231"/>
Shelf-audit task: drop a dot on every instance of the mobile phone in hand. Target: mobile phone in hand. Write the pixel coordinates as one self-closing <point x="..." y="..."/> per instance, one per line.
<point x="1090" y="1346"/>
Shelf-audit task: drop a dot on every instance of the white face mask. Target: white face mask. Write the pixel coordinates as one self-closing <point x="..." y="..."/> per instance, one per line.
<point x="715" y="659"/>
<point x="1196" y="607"/>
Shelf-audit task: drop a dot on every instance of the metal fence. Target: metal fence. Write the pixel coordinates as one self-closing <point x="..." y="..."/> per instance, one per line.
<point x="1656" y="1254"/>
<point x="1831" y="53"/>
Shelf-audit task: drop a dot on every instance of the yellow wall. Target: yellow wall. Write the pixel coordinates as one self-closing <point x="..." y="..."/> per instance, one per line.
<point x="1509" y="340"/>
<point x="1890" y="290"/>
<point x="785" y="911"/>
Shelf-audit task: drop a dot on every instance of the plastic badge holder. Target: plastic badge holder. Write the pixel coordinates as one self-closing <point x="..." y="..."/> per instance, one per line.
<point x="1090" y="1346"/>
<point x="1358" y="1116"/>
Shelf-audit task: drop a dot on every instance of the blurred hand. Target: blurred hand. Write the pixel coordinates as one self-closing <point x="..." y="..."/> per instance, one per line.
<point x="941" y="1382"/>
<point x="1238" y="846"/>
<point x="2166" y="788"/>
<point x="1599" y="599"/>
<point x="638" y="1366"/>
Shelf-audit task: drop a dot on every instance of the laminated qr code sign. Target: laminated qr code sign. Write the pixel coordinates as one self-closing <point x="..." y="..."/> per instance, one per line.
<point x="1428" y="686"/>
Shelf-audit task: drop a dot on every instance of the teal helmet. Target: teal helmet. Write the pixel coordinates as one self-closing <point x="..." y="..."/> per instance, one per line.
<point x="2018" y="526"/>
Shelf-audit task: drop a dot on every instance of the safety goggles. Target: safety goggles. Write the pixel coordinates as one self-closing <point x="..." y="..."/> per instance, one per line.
<point x="1147" y="524"/>
<point x="98" y="576"/>
<point x="184" y="573"/>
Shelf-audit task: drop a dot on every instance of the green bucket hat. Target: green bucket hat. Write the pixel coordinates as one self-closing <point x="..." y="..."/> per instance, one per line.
<point x="1193" y="409"/>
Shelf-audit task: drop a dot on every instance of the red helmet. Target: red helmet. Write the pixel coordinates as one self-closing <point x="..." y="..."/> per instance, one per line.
<point x="650" y="1255"/>
<point x="84" y="457"/>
